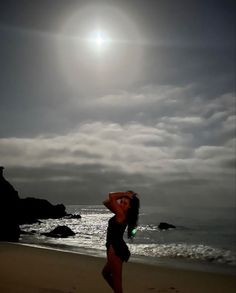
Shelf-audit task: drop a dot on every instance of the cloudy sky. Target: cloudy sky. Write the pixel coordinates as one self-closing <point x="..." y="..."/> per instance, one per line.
<point x="98" y="96"/>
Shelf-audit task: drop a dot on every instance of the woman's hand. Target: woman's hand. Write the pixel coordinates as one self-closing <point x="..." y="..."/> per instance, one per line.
<point x="129" y="194"/>
<point x="117" y="195"/>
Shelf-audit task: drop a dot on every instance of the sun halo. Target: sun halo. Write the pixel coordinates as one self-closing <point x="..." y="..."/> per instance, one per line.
<point x="99" y="40"/>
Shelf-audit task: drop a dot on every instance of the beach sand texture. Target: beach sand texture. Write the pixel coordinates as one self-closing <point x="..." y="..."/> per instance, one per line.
<point x="34" y="270"/>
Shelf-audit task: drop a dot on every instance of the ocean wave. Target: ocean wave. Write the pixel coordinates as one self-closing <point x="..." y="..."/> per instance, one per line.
<point x="195" y="252"/>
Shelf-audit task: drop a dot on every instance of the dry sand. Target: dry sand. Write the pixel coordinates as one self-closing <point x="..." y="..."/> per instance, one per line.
<point x="34" y="270"/>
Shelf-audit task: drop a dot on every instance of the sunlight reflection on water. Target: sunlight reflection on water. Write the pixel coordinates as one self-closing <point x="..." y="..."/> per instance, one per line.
<point x="181" y="243"/>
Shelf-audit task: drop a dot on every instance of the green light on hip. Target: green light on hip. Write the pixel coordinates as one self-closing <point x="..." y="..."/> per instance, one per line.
<point x="134" y="231"/>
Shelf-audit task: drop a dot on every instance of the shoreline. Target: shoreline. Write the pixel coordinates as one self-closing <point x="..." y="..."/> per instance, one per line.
<point x="175" y="263"/>
<point x="29" y="270"/>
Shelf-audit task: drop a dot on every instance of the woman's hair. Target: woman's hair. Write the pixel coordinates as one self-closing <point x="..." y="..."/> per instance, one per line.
<point x="133" y="213"/>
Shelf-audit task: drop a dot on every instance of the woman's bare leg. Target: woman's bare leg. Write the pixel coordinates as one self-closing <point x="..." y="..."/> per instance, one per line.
<point x="115" y="264"/>
<point x="106" y="272"/>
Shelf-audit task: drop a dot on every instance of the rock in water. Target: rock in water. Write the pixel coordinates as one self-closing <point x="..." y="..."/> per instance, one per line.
<point x="60" y="232"/>
<point x="165" y="226"/>
<point x="9" y="203"/>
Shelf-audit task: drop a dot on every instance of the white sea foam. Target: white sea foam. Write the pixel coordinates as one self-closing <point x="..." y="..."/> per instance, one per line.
<point x="188" y="251"/>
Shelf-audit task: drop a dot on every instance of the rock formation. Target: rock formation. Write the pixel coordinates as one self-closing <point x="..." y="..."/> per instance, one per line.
<point x="165" y="226"/>
<point x="31" y="209"/>
<point x="15" y="211"/>
<point x="9" y="203"/>
<point x="60" y="232"/>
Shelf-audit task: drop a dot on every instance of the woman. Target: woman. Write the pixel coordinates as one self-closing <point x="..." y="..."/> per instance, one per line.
<point x="125" y="206"/>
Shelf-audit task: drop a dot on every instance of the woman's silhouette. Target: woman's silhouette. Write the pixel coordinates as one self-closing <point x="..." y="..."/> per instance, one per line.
<point x="125" y="206"/>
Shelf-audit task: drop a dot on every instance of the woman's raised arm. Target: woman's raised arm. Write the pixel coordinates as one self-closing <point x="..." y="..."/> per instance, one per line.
<point x="112" y="204"/>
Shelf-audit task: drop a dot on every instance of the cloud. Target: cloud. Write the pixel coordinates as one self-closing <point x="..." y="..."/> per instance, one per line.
<point x="150" y="158"/>
<point x="166" y="141"/>
<point x="161" y="133"/>
<point x="170" y="102"/>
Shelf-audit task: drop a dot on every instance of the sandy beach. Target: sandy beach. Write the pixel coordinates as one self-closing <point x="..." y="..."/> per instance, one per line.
<point x="34" y="270"/>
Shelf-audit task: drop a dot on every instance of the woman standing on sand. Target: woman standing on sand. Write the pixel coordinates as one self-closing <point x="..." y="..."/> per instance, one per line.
<point x="125" y="206"/>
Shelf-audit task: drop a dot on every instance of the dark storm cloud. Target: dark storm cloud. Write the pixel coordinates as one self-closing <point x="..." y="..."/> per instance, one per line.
<point x="71" y="183"/>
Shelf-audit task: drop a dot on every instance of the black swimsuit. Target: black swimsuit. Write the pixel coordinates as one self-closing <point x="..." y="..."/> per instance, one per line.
<point x="115" y="232"/>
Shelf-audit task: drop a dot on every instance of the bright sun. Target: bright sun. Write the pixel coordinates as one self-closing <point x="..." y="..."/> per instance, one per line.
<point x="99" y="40"/>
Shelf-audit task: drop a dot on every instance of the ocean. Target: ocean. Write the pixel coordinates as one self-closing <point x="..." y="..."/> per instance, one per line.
<point x="204" y="238"/>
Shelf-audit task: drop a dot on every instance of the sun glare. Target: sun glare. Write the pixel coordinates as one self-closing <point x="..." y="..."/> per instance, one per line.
<point x="99" y="40"/>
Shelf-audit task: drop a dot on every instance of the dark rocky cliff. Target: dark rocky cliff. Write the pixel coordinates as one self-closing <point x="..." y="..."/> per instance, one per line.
<point x="15" y="211"/>
<point x="9" y="210"/>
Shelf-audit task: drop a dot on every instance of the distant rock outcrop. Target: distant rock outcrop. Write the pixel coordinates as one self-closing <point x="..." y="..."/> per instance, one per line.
<point x="165" y="226"/>
<point x="9" y="212"/>
<point x="31" y="209"/>
<point x="60" y="232"/>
